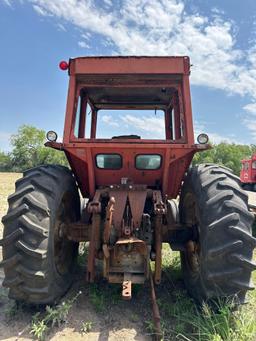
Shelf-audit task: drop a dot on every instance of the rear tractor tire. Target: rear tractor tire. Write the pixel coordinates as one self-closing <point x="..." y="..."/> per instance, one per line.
<point x="38" y="261"/>
<point x="218" y="263"/>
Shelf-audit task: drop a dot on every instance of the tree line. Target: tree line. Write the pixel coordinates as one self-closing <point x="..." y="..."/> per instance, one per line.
<point x="28" y="151"/>
<point x="226" y="154"/>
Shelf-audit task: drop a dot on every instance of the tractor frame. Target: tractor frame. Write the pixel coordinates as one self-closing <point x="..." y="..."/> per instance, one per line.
<point x="117" y="197"/>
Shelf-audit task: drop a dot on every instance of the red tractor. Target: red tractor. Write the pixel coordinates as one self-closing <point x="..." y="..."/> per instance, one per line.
<point x="248" y="174"/>
<point x="131" y="185"/>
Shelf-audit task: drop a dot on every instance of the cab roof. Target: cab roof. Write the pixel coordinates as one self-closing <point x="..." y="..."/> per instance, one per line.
<point x="129" y="65"/>
<point x="129" y="82"/>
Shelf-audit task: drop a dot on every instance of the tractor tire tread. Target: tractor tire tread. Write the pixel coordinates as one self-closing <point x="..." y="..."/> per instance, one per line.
<point x="15" y="213"/>
<point x="30" y="225"/>
<point x="20" y="193"/>
<point x="27" y="262"/>
<point x="226" y="241"/>
<point x="10" y="238"/>
<point x="37" y="253"/>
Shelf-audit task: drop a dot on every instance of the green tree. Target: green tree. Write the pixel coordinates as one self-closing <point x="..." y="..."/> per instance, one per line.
<point x="226" y="154"/>
<point x="29" y="150"/>
<point x="5" y="162"/>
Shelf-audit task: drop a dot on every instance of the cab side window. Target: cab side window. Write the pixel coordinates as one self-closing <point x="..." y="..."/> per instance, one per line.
<point x="109" y="161"/>
<point x="254" y="165"/>
<point x="149" y="162"/>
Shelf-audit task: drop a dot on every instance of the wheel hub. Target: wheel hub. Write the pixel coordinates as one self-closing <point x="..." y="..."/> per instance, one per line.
<point x="193" y="255"/>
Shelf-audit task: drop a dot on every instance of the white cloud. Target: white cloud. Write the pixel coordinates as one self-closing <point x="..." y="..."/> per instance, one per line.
<point x="107" y="2"/>
<point x="251" y="126"/>
<point x="61" y="27"/>
<point x="7" y="2"/>
<point x="86" y="35"/>
<point x="213" y="136"/>
<point x="251" y="108"/>
<point x="40" y="10"/>
<point x="217" y="11"/>
<point x="163" y="27"/>
<point x="109" y="120"/>
<point x="153" y="27"/>
<point x="152" y="127"/>
<point x="83" y="44"/>
<point x="145" y="126"/>
<point x="217" y="138"/>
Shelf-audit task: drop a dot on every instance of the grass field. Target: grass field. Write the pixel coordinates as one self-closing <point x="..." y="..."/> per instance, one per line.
<point x="100" y="314"/>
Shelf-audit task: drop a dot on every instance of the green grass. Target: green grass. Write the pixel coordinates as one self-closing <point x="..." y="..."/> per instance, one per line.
<point x="182" y="319"/>
<point x="42" y="322"/>
<point x="86" y="327"/>
<point x="83" y="253"/>
<point x="102" y="295"/>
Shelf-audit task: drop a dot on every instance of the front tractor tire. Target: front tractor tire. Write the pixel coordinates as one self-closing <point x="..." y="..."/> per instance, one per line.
<point x="218" y="262"/>
<point x="38" y="261"/>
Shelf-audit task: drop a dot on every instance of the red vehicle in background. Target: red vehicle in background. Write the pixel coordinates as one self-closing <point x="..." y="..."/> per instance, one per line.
<point x="248" y="174"/>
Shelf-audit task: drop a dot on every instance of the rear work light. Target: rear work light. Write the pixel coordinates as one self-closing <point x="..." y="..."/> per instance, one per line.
<point x="63" y="65"/>
<point x="202" y="138"/>
<point x="51" y="136"/>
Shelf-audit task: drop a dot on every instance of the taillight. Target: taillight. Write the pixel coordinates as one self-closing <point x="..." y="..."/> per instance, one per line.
<point x="63" y="65"/>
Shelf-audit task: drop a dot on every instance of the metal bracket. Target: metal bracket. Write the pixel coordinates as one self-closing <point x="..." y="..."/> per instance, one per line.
<point x="127" y="286"/>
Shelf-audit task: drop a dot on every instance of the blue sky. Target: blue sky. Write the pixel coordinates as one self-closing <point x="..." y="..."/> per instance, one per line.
<point x="219" y="36"/>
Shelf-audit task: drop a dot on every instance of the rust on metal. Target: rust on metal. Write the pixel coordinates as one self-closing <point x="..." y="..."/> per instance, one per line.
<point x="120" y="196"/>
<point x="128" y="256"/>
<point x="137" y="198"/>
<point x="133" y="82"/>
<point x="159" y="210"/>
<point x="158" y="248"/>
<point x="78" y="232"/>
<point x="126" y="219"/>
<point x="93" y="247"/>
<point x="156" y="314"/>
<point x="127" y="286"/>
<point x="106" y="251"/>
<point x="94" y="206"/>
<point x="159" y="206"/>
<point x="108" y="220"/>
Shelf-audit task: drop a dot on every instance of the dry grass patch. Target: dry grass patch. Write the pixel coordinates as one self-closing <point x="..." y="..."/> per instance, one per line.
<point x="7" y="186"/>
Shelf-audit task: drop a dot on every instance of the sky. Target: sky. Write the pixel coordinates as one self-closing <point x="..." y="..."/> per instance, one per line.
<point x="219" y="36"/>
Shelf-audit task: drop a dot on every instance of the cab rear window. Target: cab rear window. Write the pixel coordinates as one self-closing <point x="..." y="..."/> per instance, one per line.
<point x="109" y="161"/>
<point x="148" y="161"/>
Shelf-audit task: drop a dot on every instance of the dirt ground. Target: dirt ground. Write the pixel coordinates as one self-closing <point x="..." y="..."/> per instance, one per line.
<point x="100" y="305"/>
<point x="118" y="320"/>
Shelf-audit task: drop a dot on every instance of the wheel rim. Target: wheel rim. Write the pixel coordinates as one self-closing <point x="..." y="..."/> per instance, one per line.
<point x="192" y="252"/>
<point x="63" y="248"/>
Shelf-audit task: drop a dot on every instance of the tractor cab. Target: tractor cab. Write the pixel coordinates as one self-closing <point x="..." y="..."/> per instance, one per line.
<point x="111" y="101"/>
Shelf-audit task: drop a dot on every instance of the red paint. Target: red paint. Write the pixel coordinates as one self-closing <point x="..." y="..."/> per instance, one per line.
<point x="63" y="65"/>
<point x="141" y="83"/>
<point x="248" y="171"/>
